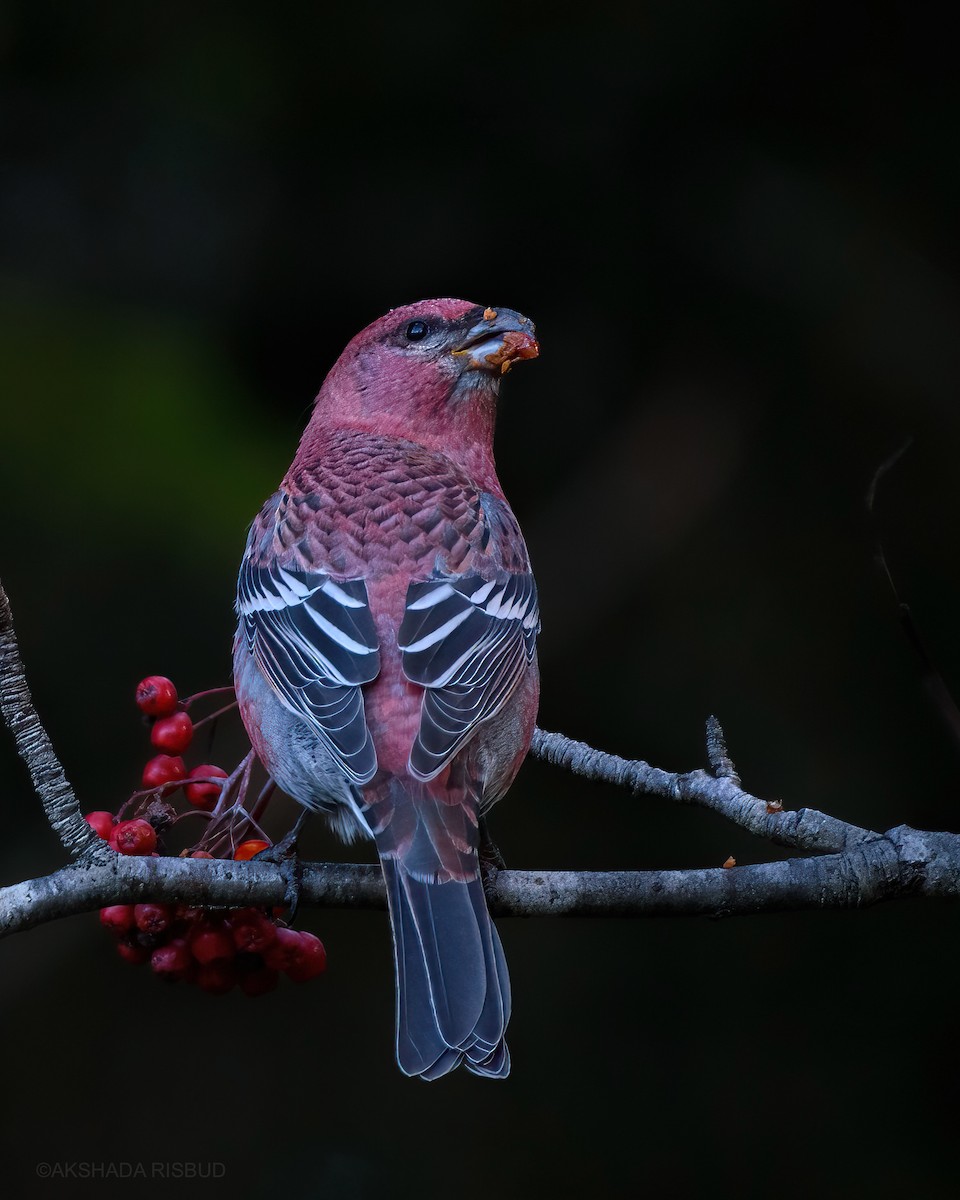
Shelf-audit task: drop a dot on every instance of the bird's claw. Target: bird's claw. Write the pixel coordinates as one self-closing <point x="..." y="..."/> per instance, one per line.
<point x="491" y="860"/>
<point x="283" y="854"/>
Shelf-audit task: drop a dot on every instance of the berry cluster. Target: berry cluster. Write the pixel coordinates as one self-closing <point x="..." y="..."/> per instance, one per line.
<point x="217" y="950"/>
<point x="171" y="733"/>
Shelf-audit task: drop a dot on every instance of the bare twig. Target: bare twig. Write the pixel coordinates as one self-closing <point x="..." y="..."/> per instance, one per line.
<point x="805" y="829"/>
<point x="720" y="762"/>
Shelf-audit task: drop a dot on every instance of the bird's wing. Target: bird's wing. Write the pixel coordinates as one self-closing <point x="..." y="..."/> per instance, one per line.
<point x="315" y="642"/>
<point x="467" y="641"/>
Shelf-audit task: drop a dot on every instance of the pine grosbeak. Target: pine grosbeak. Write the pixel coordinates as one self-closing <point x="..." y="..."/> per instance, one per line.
<point x="385" y="659"/>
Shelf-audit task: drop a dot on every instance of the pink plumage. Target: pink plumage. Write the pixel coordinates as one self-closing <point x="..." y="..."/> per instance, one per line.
<point x="385" y="659"/>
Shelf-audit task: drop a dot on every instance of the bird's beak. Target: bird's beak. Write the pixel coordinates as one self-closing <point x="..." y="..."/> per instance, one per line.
<point x="497" y="340"/>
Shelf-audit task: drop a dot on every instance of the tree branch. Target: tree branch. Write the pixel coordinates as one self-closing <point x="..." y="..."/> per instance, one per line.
<point x="902" y="862"/>
<point x="805" y="829"/>
<point x="850" y="867"/>
<point x="47" y="775"/>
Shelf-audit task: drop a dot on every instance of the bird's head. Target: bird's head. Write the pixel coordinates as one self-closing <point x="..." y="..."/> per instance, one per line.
<point x="429" y="372"/>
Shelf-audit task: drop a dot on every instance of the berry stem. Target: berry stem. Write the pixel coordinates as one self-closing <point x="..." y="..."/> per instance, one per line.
<point x="226" y="815"/>
<point x="231" y="836"/>
<point x="213" y="716"/>
<point x="220" y="691"/>
<point x="243" y="825"/>
<point x="263" y="799"/>
<point x="161" y="790"/>
<point x="192" y="812"/>
<point x="239" y="780"/>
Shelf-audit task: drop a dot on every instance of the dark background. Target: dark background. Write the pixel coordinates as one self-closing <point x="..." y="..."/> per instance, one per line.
<point x="735" y="227"/>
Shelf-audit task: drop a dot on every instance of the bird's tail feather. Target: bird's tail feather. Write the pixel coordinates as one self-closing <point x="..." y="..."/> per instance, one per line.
<point x="453" y="991"/>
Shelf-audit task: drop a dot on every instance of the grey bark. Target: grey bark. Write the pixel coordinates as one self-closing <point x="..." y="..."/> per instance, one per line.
<point x="47" y="775"/>
<point x="902" y="862"/>
<point x="847" y="867"/>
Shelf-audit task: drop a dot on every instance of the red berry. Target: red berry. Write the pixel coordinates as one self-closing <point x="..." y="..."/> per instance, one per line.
<point x="246" y="850"/>
<point x="260" y="981"/>
<point x="309" y="959"/>
<point x="164" y="768"/>
<point x="134" y="837"/>
<point x="281" y="952"/>
<point x="253" y="934"/>
<point x="172" y="734"/>
<point x="156" y="696"/>
<point x="204" y="795"/>
<point x="238" y="916"/>
<point x="187" y="914"/>
<point x="101" y="823"/>
<point x="132" y="952"/>
<point x="212" y="945"/>
<point x="152" y="918"/>
<point x="173" y="960"/>
<point x="118" y="918"/>
<point x="217" y="977"/>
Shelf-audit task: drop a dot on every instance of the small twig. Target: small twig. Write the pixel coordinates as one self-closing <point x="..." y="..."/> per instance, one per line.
<point x="717" y="755"/>
<point x="260" y="805"/>
<point x="213" y="716"/>
<point x="234" y="823"/>
<point x="806" y="828"/>
<point x="217" y="691"/>
<point x="236" y="781"/>
<point x="887" y="465"/>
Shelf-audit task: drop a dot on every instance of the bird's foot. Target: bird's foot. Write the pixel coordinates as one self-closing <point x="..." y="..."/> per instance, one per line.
<point x="491" y="860"/>
<point x="283" y="854"/>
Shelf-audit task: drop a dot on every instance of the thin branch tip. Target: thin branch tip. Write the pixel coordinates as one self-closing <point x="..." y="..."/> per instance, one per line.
<point x="720" y="762"/>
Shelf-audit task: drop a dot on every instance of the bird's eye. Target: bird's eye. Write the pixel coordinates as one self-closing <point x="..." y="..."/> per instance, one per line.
<point x="416" y="331"/>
